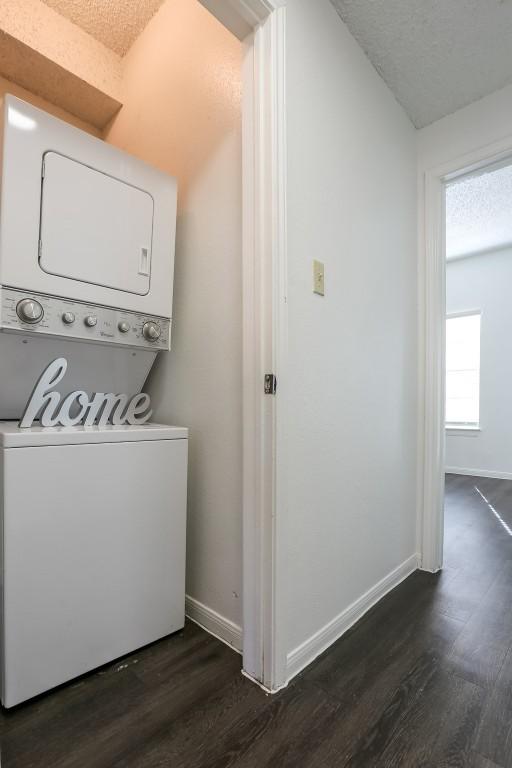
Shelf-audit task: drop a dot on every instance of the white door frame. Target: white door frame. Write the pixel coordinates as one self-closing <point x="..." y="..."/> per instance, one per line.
<point x="260" y="24"/>
<point x="432" y="271"/>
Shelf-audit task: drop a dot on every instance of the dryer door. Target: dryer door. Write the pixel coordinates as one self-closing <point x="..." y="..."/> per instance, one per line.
<point x="94" y="228"/>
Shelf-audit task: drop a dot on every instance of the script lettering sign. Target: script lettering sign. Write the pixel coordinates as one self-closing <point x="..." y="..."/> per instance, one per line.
<point x="77" y="407"/>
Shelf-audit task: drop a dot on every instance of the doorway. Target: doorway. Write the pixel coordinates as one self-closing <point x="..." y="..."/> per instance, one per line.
<point x="478" y="406"/>
<point x="432" y="332"/>
<point x="468" y="542"/>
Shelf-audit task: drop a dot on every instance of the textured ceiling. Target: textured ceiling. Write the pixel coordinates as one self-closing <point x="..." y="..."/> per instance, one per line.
<point x="435" y="55"/>
<point x="115" y="23"/>
<point x="479" y="213"/>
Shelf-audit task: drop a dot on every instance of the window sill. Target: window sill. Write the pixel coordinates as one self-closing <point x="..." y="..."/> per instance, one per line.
<point x="452" y="431"/>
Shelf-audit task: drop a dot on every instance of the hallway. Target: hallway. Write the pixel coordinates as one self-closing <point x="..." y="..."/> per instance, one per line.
<point x="423" y="680"/>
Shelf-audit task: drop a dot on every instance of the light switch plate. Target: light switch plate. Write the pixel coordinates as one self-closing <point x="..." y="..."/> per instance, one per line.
<point x="318" y="277"/>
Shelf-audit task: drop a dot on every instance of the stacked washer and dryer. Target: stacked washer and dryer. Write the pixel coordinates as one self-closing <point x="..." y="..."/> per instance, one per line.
<point x="92" y="517"/>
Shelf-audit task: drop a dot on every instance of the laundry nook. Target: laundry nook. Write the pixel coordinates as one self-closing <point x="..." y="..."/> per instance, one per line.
<point x="120" y="282"/>
<point x="120" y="346"/>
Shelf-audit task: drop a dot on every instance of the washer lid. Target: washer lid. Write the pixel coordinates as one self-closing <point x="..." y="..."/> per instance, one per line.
<point x="11" y="436"/>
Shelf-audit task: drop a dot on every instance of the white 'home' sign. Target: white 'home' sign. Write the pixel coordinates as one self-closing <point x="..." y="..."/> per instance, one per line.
<point x="101" y="408"/>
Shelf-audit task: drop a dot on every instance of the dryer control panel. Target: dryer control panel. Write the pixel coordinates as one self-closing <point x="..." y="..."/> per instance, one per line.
<point x="53" y="316"/>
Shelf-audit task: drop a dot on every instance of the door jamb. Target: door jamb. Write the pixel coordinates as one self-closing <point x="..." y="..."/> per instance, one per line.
<point x="261" y="25"/>
<point x="432" y="318"/>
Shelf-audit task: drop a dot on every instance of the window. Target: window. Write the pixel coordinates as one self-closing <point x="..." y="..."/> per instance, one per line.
<point x="463" y="370"/>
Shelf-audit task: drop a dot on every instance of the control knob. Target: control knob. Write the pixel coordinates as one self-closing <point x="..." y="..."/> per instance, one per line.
<point x="151" y="331"/>
<point x="68" y="318"/>
<point x="123" y="326"/>
<point x="29" y="310"/>
<point x="90" y="321"/>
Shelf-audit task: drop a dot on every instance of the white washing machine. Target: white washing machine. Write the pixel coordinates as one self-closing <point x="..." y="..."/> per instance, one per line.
<point x="93" y="548"/>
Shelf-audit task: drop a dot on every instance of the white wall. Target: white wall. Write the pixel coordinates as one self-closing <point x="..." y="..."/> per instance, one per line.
<point x="182" y="112"/>
<point x="351" y="392"/>
<point x="200" y="383"/>
<point x="483" y="282"/>
<point x="477" y="125"/>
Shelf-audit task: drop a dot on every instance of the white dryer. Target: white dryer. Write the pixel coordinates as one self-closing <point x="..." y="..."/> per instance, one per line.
<point x="86" y="258"/>
<point x="93" y="560"/>
<point x="80" y="219"/>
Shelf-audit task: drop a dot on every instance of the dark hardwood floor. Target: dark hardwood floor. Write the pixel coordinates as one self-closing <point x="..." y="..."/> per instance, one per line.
<point x="424" y="680"/>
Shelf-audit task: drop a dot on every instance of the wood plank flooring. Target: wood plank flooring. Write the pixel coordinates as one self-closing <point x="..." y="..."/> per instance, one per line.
<point x="422" y="681"/>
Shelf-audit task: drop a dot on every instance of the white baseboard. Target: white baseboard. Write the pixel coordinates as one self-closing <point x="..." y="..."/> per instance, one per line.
<point x="217" y="625"/>
<point x="305" y="653"/>
<point x="478" y="472"/>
